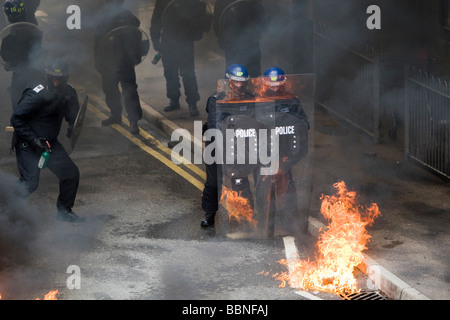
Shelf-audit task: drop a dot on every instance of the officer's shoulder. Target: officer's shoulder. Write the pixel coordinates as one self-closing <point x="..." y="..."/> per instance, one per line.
<point x="37" y="88"/>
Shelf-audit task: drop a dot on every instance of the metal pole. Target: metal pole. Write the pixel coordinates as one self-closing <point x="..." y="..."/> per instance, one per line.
<point x="406" y="110"/>
<point x="376" y="100"/>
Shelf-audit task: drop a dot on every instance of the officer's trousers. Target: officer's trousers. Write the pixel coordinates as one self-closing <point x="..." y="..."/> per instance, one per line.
<point x="178" y="60"/>
<point x="126" y="77"/>
<point x="59" y="163"/>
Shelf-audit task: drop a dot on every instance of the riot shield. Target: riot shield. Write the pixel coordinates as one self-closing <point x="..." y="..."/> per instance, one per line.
<point x="78" y="124"/>
<point x="283" y="192"/>
<point x="239" y="129"/>
<point x="21" y="45"/>
<point x="124" y="46"/>
<point x="266" y="175"/>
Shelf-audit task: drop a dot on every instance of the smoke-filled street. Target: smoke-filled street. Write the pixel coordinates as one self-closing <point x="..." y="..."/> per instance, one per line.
<point x="142" y="238"/>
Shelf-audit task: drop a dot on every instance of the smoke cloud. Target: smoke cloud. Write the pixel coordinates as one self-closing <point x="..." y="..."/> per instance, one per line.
<point x="18" y="222"/>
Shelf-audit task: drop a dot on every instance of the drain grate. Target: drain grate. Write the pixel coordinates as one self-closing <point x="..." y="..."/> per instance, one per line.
<point x="364" y="295"/>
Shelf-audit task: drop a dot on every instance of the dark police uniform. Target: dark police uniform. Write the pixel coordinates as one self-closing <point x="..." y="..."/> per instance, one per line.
<point x="214" y="172"/>
<point x="22" y="53"/>
<point x="40" y="113"/>
<point x="116" y="66"/>
<point x="175" y="41"/>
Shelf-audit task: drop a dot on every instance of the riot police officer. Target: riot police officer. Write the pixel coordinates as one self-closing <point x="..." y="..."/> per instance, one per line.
<point x="21" y="50"/>
<point x="173" y="34"/>
<point x="277" y="193"/>
<point x="37" y="121"/>
<point x="116" y="66"/>
<point x="238" y="89"/>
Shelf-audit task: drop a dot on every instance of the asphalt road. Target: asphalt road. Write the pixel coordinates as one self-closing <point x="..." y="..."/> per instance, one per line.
<point x="142" y="238"/>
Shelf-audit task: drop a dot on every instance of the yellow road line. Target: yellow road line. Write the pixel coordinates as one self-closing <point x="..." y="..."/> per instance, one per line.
<point x="197" y="183"/>
<point x="201" y="173"/>
<point x="160" y="146"/>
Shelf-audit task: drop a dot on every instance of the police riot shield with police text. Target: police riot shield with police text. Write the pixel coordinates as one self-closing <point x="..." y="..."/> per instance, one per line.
<point x="124" y="46"/>
<point x="21" y="46"/>
<point x="267" y="147"/>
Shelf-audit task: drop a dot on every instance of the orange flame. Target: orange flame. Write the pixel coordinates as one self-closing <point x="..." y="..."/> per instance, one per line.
<point x="340" y="246"/>
<point x="51" y="295"/>
<point x="238" y="207"/>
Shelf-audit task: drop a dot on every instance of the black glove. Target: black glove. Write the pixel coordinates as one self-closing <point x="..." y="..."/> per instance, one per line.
<point x="39" y="144"/>
<point x="157" y="46"/>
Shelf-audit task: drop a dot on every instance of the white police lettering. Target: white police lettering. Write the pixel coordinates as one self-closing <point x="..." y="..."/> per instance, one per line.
<point x="38" y="88"/>
<point x="245" y="133"/>
<point x="284" y="130"/>
<point x="264" y="147"/>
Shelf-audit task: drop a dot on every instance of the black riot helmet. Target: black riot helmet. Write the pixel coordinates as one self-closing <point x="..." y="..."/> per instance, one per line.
<point x="57" y="76"/>
<point x="15" y="10"/>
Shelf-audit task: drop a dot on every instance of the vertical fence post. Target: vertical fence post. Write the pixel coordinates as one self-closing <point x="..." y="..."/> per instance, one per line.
<point x="376" y="99"/>
<point x="406" y="109"/>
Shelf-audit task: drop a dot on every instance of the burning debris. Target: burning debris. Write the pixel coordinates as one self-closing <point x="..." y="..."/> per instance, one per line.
<point x="239" y="208"/>
<point x="51" y="295"/>
<point x="339" y="247"/>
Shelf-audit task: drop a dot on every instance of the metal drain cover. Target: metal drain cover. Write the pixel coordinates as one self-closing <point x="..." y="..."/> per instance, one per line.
<point x="364" y="295"/>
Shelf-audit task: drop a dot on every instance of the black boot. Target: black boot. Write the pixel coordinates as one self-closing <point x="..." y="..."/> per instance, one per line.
<point x="69" y="216"/>
<point x="174" y="105"/>
<point x="193" y="111"/>
<point x="209" y="220"/>
<point x="111" y="120"/>
<point x="134" y="128"/>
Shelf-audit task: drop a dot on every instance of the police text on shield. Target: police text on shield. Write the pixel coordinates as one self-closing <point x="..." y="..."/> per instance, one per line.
<point x="237" y="146"/>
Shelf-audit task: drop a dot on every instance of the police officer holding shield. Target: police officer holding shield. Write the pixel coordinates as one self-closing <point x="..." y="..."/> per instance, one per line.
<point x="276" y="193"/>
<point x="37" y="121"/>
<point x="238" y="80"/>
<point x="21" y="49"/>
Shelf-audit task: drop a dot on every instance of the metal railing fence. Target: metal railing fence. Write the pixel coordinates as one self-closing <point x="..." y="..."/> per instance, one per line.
<point x="427" y="120"/>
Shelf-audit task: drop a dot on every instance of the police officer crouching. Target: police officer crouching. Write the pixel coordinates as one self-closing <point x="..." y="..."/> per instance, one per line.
<point x="37" y="121"/>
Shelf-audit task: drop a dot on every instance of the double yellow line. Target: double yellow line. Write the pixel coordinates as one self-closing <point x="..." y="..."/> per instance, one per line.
<point x="157" y="155"/>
